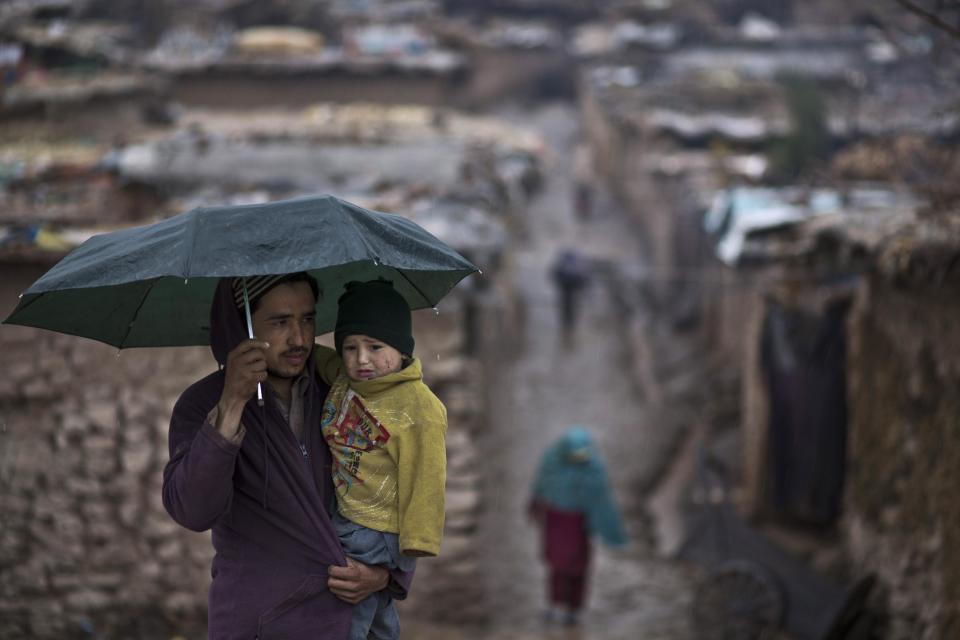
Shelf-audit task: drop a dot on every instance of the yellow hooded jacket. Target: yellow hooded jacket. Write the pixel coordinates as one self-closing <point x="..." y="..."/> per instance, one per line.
<point x="387" y="440"/>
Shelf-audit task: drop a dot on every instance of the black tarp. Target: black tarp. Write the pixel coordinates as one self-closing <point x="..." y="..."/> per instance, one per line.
<point x="804" y="363"/>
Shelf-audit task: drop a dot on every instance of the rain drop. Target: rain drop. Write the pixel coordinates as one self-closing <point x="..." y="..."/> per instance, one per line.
<point x="480" y="271"/>
<point x="19" y="296"/>
<point x="438" y="357"/>
<point x="185" y="280"/>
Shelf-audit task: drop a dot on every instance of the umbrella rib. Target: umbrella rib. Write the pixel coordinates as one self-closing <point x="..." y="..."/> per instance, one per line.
<point x="136" y="312"/>
<point x="29" y="302"/>
<point x="414" y="285"/>
<point x="360" y="234"/>
<point x="194" y="225"/>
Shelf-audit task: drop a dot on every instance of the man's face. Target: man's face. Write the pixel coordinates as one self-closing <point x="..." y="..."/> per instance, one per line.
<point x="285" y="318"/>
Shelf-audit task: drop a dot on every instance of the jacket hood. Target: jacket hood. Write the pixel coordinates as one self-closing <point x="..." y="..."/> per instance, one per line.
<point x="577" y="445"/>
<point x="227" y="325"/>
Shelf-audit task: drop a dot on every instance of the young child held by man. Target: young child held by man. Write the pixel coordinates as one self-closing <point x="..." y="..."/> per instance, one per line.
<point x="386" y="433"/>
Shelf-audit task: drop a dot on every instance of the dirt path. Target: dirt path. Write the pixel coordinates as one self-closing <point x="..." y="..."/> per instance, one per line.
<point x="550" y="386"/>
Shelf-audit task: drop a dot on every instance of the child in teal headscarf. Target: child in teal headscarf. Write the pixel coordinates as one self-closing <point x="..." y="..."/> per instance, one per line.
<point x="572" y="501"/>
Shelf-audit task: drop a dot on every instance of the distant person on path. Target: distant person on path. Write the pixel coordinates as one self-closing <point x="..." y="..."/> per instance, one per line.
<point x="259" y="475"/>
<point x="572" y="501"/>
<point x="570" y="275"/>
<point x="386" y="432"/>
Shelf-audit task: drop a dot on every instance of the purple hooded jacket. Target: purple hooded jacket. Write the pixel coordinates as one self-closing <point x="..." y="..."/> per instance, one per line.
<point x="268" y="506"/>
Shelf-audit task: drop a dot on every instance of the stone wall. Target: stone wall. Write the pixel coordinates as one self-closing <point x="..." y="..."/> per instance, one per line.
<point x="99" y="118"/>
<point x="86" y="543"/>
<point x="631" y="159"/>
<point x="240" y="91"/>
<point x="498" y="75"/>
<point x="902" y="521"/>
<point x="743" y="348"/>
<point x="618" y="151"/>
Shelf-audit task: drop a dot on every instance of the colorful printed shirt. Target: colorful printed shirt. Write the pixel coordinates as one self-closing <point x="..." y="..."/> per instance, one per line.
<point x="387" y="438"/>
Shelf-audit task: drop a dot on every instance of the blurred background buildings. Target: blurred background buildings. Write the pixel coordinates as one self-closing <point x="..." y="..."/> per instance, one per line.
<point x="773" y="227"/>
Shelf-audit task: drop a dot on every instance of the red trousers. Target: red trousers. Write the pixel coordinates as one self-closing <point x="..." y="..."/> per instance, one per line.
<point x="567" y="589"/>
<point x="567" y="552"/>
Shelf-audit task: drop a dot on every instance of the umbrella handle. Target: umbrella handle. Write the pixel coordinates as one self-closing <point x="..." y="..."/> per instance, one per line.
<point x="246" y="310"/>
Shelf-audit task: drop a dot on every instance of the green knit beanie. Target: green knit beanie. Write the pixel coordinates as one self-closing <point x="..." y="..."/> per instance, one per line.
<point x="374" y="309"/>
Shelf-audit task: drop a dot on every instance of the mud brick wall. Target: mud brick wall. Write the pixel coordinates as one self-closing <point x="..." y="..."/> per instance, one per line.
<point x="902" y="517"/>
<point x="86" y="546"/>
<point x="496" y="74"/>
<point x="224" y="89"/>
<point x="621" y="151"/>
<point x="629" y="157"/>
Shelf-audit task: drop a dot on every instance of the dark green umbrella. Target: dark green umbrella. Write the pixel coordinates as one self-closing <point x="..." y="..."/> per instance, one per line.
<point x="152" y="286"/>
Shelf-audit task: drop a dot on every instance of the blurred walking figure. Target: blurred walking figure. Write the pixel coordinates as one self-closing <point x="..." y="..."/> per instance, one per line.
<point x="570" y="273"/>
<point x="571" y="502"/>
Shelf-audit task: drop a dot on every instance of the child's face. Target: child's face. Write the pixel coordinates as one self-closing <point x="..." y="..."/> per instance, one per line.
<point x="366" y="358"/>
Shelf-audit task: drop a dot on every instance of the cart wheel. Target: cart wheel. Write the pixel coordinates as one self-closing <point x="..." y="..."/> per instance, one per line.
<point x="739" y="600"/>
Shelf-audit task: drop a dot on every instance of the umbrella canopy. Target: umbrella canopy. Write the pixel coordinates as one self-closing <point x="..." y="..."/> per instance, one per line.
<point x="151" y="286"/>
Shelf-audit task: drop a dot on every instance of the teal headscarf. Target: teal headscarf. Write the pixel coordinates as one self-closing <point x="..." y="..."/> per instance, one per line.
<point x="573" y="477"/>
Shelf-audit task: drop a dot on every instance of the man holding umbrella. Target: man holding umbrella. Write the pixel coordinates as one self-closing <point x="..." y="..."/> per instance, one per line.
<point x="259" y="475"/>
<point x="255" y="472"/>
